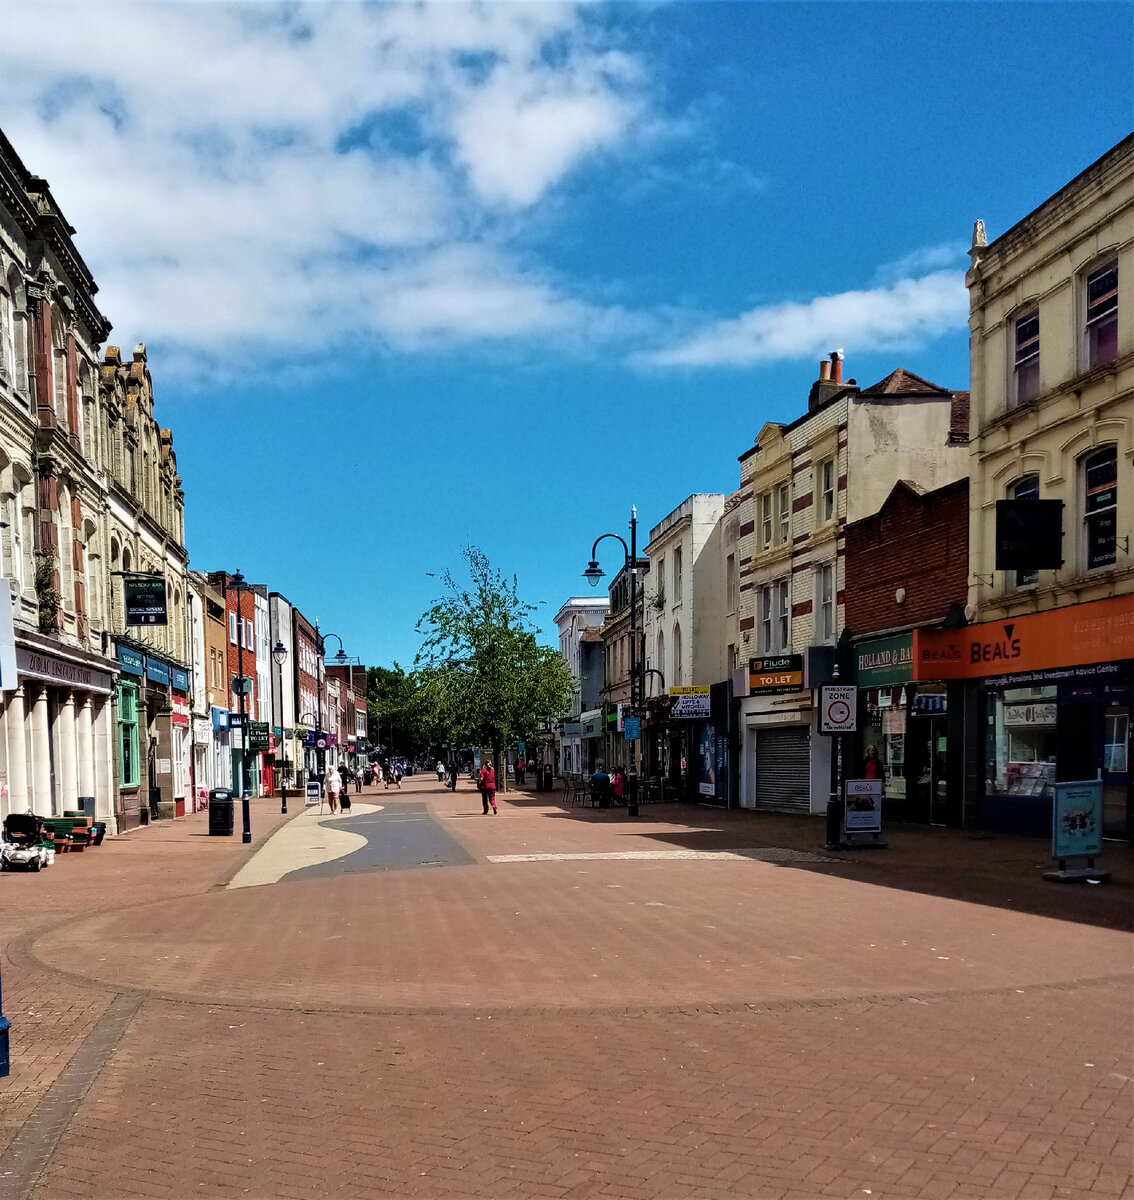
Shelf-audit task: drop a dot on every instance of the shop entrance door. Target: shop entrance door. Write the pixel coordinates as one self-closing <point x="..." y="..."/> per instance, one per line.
<point x="1116" y="767"/>
<point x="927" y="745"/>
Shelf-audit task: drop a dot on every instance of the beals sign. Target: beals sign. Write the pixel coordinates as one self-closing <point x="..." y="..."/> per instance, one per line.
<point x="145" y="599"/>
<point x="776" y="675"/>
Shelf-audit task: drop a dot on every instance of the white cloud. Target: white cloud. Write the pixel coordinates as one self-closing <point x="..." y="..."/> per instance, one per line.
<point x="906" y="313"/>
<point x="221" y="164"/>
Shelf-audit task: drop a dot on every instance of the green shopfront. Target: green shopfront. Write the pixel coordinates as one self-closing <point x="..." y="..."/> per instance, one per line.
<point x="912" y="725"/>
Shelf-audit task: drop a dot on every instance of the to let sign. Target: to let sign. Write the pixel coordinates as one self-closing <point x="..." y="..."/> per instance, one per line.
<point x="689" y="702"/>
<point x="775" y="675"/>
<point x="838" y="708"/>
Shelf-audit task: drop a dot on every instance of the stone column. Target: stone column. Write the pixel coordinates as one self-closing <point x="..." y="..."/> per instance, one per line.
<point x="104" y="756"/>
<point x="66" y="755"/>
<point x="85" y="732"/>
<point x="41" y="799"/>
<point x="18" y="799"/>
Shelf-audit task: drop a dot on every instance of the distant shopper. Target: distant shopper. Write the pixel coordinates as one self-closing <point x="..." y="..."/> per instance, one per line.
<point x="332" y="785"/>
<point x="872" y="768"/>
<point x="453" y="776"/>
<point x="440" y="771"/>
<point x="600" y="786"/>
<point x="521" y="767"/>
<point x="618" y="785"/>
<point x="487" y="784"/>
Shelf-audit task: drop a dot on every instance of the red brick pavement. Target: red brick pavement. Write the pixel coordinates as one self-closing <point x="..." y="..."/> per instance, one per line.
<point x="586" y="1028"/>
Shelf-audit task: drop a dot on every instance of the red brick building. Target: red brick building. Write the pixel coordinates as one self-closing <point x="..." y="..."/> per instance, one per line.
<point x="311" y="706"/>
<point x="240" y="638"/>
<point x="907" y="568"/>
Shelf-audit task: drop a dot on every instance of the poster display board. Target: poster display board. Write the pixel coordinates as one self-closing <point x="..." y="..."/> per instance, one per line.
<point x="1077" y="820"/>
<point x="863" y="800"/>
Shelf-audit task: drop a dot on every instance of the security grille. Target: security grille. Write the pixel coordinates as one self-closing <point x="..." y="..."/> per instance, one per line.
<point x="783" y="769"/>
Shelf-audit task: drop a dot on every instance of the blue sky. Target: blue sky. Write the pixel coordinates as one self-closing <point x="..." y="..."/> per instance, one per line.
<point x="416" y="276"/>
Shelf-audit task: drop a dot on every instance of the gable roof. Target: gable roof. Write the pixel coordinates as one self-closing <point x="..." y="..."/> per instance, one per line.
<point x="905" y="383"/>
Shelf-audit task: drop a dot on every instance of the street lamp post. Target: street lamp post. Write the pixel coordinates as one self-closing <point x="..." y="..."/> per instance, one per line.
<point x="592" y="575"/>
<point x="239" y="585"/>
<point x="279" y="653"/>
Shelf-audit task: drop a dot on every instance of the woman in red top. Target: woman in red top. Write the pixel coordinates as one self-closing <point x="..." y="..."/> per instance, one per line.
<point x="618" y="785"/>
<point x="488" y="787"/>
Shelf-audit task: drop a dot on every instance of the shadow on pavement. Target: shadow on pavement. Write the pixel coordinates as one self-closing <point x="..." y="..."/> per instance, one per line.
<point x="1000" y="871"/>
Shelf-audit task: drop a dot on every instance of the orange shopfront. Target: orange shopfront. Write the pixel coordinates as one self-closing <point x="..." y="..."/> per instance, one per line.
<point x="1052" y="694"/>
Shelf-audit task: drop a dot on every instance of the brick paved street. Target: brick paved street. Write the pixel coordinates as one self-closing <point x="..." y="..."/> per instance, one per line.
<point x="930" y="1021"/>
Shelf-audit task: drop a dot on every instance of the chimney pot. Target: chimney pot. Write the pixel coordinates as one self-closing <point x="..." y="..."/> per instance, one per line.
<point x="824" y="370"/>
<point x="836" y="366"/>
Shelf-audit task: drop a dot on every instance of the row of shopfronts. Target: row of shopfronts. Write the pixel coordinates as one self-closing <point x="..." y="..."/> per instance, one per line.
<point x="974" y="725"/>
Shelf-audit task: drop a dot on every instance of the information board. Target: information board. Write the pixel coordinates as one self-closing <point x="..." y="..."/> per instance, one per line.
<point x="1077" y="819"/>
<point x="838" y="708"/>
<point x="863" y="798"/>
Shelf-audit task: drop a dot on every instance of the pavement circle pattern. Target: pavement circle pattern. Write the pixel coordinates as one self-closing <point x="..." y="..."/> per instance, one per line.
<point x="564" y="1005"/>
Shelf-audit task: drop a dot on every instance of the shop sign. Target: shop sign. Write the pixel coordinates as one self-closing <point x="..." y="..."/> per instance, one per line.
<point x="202" y="731"/>
<point x="59" y="670"/>
<point x="689" y="703"/>
<point x="259" y="736"/>
<point x="222" y="720"/>
<point x="572" y="729"/>
<point x="1029" y="714"/>
<point x="885" y="662"/>
<point x="178" y="679"/>
<point x="592" y="723"/>
<point x="1029" y="535"/>
<point x="1101" y="631"/>
<point x="145" y="599"/>
<point x="863" y="806"/>
<point x="838" y="708"/>
<point x="179" y="714"/>
<point x="9" y="672"/>
<point x="1077" y="819"/>
<point x="776" y="675"/>
<point x="131" y="662"/>
<point x="157" y="671"/>
<point x="632" y="728"/>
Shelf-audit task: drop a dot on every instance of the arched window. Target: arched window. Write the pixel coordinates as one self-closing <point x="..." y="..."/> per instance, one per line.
<point x="678" y="678"/>
<point x="1025" y="488"/>
<point x="1100" y="507"/>
<point x="66" y="561"/>
<point x="59" y="366"/>
<point x="94" y="574"/>
<point x="7" y="333"/>
<point x="661" y="655"/>
<point x="19" y="331"/>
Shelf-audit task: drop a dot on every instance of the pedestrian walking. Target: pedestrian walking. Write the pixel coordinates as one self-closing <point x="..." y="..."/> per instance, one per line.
<point x="618" y="784"/>
<point x="453" y="776"/>
<point x="487" y="785"/>
<point x="332" y="785"/>
<point x="521" y="767"/>
<point x="440" y="771"/>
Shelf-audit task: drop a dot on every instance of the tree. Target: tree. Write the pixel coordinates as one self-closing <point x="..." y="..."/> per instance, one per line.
<point x="400" y="710"/>
<point x="489" y="679"/>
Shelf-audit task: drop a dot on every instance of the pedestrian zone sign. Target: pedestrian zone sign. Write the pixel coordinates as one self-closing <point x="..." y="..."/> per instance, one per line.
<point x="838" y="708"/>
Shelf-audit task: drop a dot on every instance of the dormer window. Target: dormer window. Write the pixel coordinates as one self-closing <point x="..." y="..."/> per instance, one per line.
<point x="1102" y="315"/>
<point x="1027" y="358"/>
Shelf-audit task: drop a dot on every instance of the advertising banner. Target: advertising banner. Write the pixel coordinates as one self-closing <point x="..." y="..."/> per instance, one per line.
<point x="689" y="702"/>
<point x="179" y="713"/>
<point x="8" y="680"/>
<point x="1077" y="819"/>
<point x="259" y="736"/>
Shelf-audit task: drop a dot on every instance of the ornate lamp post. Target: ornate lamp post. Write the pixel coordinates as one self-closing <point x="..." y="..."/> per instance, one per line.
<point x="592" y="575"/>
<point x="238" y="584"/>
<point x="279" y="653"/>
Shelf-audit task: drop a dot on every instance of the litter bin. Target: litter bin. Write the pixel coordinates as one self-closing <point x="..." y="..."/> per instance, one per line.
<point x="547" y="777"/>
<point x="220" y="812"/>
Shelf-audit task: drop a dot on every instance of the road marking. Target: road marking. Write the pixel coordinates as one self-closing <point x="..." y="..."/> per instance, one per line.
<point x="771" y="854"/>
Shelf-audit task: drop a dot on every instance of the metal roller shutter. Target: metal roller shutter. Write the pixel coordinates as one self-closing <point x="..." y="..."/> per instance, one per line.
<point x="783" y="769"/>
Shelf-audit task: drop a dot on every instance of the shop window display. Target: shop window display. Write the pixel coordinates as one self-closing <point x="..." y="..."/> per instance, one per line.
<point x="1021" y="743"/>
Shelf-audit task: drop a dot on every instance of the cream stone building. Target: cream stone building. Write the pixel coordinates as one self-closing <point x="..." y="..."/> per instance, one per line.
<point x="1049" y="655"/>
<point x="800" y="484"/>
<point x="57" y="742"/>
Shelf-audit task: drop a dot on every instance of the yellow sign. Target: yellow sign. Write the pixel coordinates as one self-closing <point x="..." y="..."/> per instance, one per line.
<point x="689" y="702"/>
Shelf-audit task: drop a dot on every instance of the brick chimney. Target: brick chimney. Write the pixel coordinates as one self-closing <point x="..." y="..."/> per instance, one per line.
<point x="830" y="381"/>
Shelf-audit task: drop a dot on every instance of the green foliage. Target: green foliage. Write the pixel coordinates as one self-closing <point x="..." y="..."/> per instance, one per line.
<point x="46" y="565"/>
<point x="487" y="679"/>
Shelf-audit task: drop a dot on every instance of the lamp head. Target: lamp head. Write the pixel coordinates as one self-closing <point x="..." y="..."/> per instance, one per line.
<point x="593" y="573"/>
<point x="236" y="580"/>
<point x="341" y="658"/>
<point x="279" y="653"/>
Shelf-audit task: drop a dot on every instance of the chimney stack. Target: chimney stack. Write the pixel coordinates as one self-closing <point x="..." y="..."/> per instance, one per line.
<point x="824" y="370"/>
<point x="837" y="366"/>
